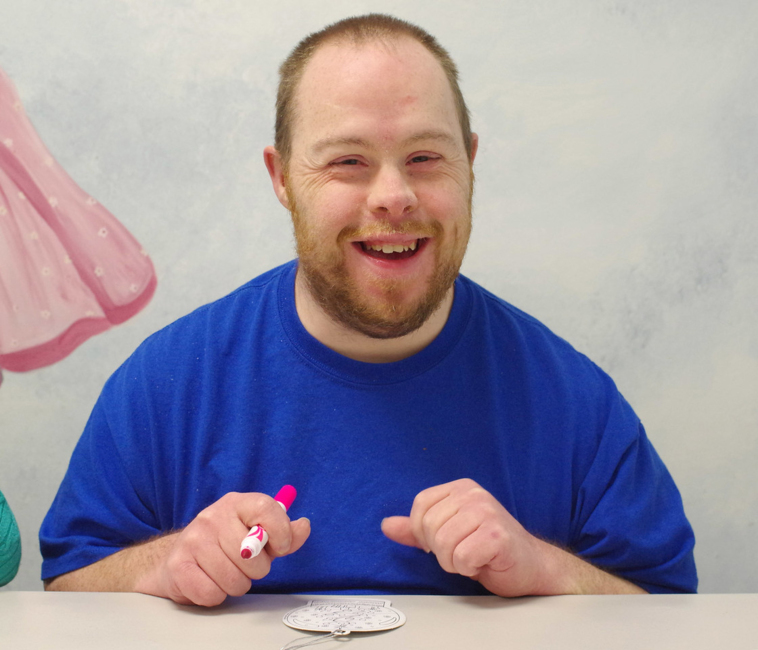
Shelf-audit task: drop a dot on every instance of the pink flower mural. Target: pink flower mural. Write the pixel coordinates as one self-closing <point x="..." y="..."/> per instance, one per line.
<point x="68" y="268"/>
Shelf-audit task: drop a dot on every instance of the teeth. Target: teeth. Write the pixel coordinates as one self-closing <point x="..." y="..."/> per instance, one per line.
<point x="392" y="248"/>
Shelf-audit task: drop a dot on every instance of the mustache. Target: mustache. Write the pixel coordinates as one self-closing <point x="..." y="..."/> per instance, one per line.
<point x="375" y="230"/>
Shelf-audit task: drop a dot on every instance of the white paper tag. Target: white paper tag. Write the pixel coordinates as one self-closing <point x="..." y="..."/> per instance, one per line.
<point x="349" y="614"/>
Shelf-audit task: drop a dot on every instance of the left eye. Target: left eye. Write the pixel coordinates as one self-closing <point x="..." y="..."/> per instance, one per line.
<point x="422" y="159"/>
<point x="348" y="161"/>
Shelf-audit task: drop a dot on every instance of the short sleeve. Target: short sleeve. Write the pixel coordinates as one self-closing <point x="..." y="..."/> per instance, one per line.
<point x="98" y="509"/>
<point x="629" y="518"/>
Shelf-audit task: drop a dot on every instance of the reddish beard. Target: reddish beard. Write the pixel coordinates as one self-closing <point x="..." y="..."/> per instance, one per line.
<point x="384" y="314"/>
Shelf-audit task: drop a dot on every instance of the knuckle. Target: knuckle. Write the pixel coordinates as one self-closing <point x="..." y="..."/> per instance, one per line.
<point x="191" y="537"/>
<point x="421" y="501"/>
<point x="208" y="594"/>
<point x="485" y="510"/>
<point x="223" y="503"/>
<point x="463" y="563"/>
<point x="240" y="587"/>
<point x="205" y="520"/>
<point x="465" y="485"/>
<point x="260" y="570"/>
<point x="194" y="585"/>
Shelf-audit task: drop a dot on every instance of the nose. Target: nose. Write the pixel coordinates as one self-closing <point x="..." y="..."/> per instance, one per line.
<point x="391" y="193"/>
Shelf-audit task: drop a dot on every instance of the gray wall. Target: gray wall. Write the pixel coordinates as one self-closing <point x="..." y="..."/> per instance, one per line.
<point x="616" y="201"/>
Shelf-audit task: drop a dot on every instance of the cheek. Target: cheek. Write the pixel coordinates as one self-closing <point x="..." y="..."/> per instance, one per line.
<point x="447" y="207"/>
<point x="333" y="210"/>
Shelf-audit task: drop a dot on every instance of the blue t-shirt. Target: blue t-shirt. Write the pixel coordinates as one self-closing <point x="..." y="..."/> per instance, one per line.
<point x="237" y="396"/>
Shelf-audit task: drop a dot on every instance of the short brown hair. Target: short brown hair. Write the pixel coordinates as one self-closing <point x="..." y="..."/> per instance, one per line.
<point x="358" y="30"/>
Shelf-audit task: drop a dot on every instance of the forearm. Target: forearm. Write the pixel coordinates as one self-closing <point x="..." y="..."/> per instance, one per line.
<point x="565" y="573"/>
<point x="131" y="569"/>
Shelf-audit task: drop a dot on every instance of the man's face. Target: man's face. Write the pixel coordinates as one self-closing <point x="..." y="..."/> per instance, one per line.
<point x="379" y="185"/>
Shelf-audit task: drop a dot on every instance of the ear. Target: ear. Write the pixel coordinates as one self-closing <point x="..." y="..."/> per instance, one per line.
<point x="275" y="166"/>
<point x="474" y="146"/>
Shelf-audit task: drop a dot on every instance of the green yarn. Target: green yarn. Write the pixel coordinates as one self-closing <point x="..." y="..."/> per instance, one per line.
<point x="10" y="543"/>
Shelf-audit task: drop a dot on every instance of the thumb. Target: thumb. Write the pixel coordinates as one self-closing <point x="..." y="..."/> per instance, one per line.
<point x="398" y="529"/>
<point x="301" y="530"/>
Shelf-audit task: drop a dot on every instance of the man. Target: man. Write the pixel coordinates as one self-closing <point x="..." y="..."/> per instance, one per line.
<point x="396" y="396"/>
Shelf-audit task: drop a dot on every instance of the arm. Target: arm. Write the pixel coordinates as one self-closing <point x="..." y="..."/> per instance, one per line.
<point x="200" y="564"/>
<point x="10" y="543"/>
<point x="470" y="533"/>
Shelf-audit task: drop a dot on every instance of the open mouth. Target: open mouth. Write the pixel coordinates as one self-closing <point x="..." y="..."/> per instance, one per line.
<point x="387" y="251"/>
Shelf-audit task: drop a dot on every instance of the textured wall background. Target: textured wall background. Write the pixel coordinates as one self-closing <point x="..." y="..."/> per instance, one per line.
<point x="616" y="201"/>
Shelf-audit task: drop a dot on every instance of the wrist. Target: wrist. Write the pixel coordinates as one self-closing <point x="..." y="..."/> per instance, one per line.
<point x="558" y="571"/>
<point x="148" y="568"/>
<point x="567" y="574"/>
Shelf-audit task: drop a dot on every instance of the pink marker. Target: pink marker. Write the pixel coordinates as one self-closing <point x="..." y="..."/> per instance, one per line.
<point x="257" y="538"/>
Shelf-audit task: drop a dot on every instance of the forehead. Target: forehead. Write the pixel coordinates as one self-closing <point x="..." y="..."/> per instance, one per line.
<point x="388" y="86"/>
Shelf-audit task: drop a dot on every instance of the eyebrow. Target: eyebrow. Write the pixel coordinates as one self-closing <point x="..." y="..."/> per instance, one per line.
<point x="335" y="142"/>
<point x="431" y="134"/>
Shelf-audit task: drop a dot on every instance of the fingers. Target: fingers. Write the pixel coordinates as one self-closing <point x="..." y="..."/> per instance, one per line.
<point x="454" y="542"/>
<point x="466" y="528"/>
<point x="205" y="564"/>
<point x="398" y="529"/>
<point x="438" y="505"/>
<point x="192" y="582"/>
<point x="262" y="510"/>
<point x="300" y="531"/>
<point x="482" y="548"/>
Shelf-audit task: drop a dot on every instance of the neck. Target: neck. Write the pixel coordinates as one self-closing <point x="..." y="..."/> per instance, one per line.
<point x="360" y="347"/>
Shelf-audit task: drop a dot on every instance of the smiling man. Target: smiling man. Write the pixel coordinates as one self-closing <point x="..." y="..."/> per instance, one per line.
<point x="413" y="410"/>
<point x="377" y="174"/>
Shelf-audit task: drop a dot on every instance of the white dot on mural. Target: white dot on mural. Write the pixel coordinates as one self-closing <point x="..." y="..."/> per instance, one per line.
<point x="67" y="260"/>
<point x="33" y="235"/>
<point x="8" y="143"/>
<point x="133" y="288"/>
<point x="99" y="272"/>
<point x="22" y="196"/>
<point x="45" y="270"/>
<point x="103" y="232"/>
<point x="14" y="343"/>
<point x="89" y="313"/>
<point x="91" y="201"/>
<point x="3" y="211"/>
<point x="48" y="161"/>
<point x="53" y="201"/>
<point x="45" y="314"/>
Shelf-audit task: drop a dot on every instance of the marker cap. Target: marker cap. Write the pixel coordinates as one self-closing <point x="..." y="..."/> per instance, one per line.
<point x="286" y="496"/>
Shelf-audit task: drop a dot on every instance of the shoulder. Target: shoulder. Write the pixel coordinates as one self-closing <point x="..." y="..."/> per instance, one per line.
<point x="242" y="302"/>
<point x="561" y="385"/>
<point x="219" y="319"/>
<point x="524" y="337"/>
<point x="197" y="340"/>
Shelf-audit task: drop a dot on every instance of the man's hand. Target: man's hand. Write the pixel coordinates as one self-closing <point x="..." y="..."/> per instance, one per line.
<point x="202" y="563"/>
<point x="470" y="533"/>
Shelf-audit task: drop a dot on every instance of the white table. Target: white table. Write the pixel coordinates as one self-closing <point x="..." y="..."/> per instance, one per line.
<point x="80" y="621"/>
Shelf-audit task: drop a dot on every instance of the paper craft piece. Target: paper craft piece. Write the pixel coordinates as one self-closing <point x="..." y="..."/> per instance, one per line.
<point x="348" y="614"/>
